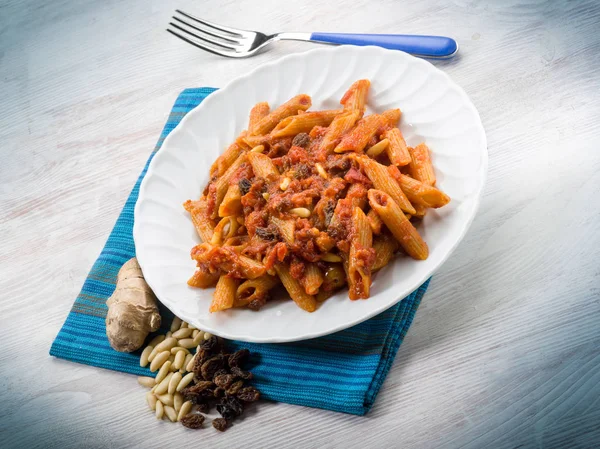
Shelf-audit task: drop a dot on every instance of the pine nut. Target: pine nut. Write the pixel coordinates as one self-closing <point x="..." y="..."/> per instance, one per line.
<point x="162" y="372"/>
<point x="160" y="410"/>
<point x="163" y="386"/>
<point x="285" y="183"/>
<point x="198" y="338"/>
<point x="175" y="324"/>
<point x="151" y="400"/>
<point x="176" y="349"/>
<point x="186" y="407"/>
<point x="302" y="212"/>
<point x="195" y="332"/>
<point x="183" y="333"/>
<point x="159" y="360"/>
<point x="184" y="325"/>
<point x="152" y="354"/>
<point x="168" y="334"/>
<point x="191" y="326"/>
<point x="145" y="381"/>
<point x="207" y="335"/>
<point x="144" y="357"/>
<point x="266" y="196"/>
<point x="330" y="257"/>
<point x="258" y="149"/>
<point x="378" y="148"/>
<point x="153" y="389"/>
<point x="189" y="362"/>
<point x="167" y="344"/>
<point x="321" y="171"/>
<point x="177" y="401"/>
<point x="175" y="379"/>
<point x="187" y="343"/>
<point x="185" y="381"/>
<point x="171" y="414"/>
<point x="156" y="340"/>
<point x="179" y="359"/>
<point x="166" y="399"/>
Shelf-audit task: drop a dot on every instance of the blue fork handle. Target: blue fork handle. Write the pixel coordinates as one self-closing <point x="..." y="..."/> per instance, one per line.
<point x="436" y="47"/>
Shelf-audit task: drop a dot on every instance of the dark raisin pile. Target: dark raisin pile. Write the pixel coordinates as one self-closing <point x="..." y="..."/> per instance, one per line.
<point x="219" y="381"/>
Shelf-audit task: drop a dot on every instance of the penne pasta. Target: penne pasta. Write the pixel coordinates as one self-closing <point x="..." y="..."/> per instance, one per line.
<point x="420" y="165"/>
<point x="286" y="228"/>
<point x="224" y="161"/>
<point x="222" y="183"/>
<point x="385" y="246"/>
<point x="296" y="292"/>
<point x="257" y="113"/>
<point x="224" y="294"/>
<point x="355" y="97"/>
<point x="225" y="229"/>
<point x="339" y="127"/>
<point x="291" y="107"/>
<point x="304" y="123"/>
<point x="232" y="202"/>
<point x="382" y="180"/>
<point x="360" y="260"/>
<point x="398" y="224"/>
<point x="203" y="278"/>
<point x="397" y="150"/>
<point x="254" y="289"/>
<point x="262" y="165"/>
<point x="391" y="117"/>
<point x="312" y="279"/>
<point x="357" y="139"/>
<point x="420" y="193"/>
<point x="375" y="222"/>
<point x="202" y="223"/>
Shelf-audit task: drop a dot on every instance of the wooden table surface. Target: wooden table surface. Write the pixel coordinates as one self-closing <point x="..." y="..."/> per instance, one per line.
<point x="505" y="348"/>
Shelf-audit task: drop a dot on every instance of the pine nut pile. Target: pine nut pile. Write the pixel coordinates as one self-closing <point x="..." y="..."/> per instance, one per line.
<point x="188" y="384"/>
<point x="170" y="355"/>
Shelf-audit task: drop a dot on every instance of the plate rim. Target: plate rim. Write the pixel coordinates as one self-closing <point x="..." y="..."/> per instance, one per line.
<point x="214" y="96"/>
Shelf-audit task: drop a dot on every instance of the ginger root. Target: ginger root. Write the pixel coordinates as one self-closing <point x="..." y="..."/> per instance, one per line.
<point x="132" y="310"/>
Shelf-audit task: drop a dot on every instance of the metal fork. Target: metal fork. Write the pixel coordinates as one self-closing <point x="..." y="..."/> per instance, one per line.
<point x="236" y="43"/>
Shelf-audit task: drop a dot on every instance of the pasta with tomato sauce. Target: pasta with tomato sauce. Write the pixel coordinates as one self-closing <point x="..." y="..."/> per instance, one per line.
<point x="313" y="201"/>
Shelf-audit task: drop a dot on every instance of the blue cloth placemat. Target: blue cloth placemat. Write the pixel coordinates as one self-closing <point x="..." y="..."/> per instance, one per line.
<point x="341" y="372"/>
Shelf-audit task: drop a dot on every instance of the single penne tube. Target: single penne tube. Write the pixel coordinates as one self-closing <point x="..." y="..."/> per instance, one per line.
<point x="382" y="180"/>
<point x="201" y="221"/>
<point x="305" y="122"/>
<point x="360" y="261"/>
<point x="257" y="113"/>
<point x="378" y="148"/>
<point x="262" y="165"/>
<point x="395" y="220"/>
<point x="420" y="165"/>
<point x="232" y="202"/>
<point x="355" y="97"/>
<point x="312" y="279"/>
<point x="356" y="140"/>
<point x="291" y="107"/>
<point x="375" y="222"/>
<point x="252" y="289"/>
<point x="225" y="160"/>
<point x="339" y="126"/>
<point x="224" y="294"/>
<point x="222" y="183"/>
<point x="421" y="193"/>
<point x="397" y="150"/>
<point x="202" y="278"/>
<point x="392" y="117"/>
<point x="295" y="290"/>
<point x="225" y="229"/>
<point x="250" y="268"/>
<point x="286" y="228"/>
<point x="384" y="246"/>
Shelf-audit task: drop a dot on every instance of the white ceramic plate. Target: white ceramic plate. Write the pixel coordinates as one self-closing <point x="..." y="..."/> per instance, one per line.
<point x="435" y="110"/>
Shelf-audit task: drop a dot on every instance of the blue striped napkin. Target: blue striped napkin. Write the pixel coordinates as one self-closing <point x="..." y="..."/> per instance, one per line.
<point x="341" y="372"/>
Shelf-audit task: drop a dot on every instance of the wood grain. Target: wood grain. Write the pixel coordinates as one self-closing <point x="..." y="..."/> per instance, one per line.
<point x="505" y="349"/>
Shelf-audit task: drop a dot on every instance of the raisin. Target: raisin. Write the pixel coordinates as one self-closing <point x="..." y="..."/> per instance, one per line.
<point x="267" y="233"/>
<point x="329" y="209"/>
<point x="230" y="407"/>
<point x="199" y="393"/>
<point x="220" y="424"/>
<point x="235" y="387"/>
<point x="203" y="407"/>
<point x="238" y="358"/>
<point x="257" y="303"/>
<point x="219" y="392"/>
<point x="248" y="394"/>
<point x="302" y="171"/>
<point x="244" y="186"/>
<point x="224" y="380"/>
<point x="211" y="366"/>
<point x="301" y="140"/>
<point x="220" y="373"/>
<point x="212" y="344"/>
<point x="192" y="420"/>
<point x="246" y="375"/>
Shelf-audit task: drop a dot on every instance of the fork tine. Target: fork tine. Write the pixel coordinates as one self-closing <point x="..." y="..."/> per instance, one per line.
<point x="210" y="41"/>
<point x="206" y="47"/>
<point x="229" y="41"/>
<point x="226" y="29"/>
